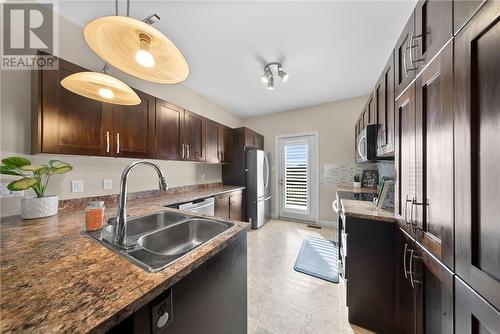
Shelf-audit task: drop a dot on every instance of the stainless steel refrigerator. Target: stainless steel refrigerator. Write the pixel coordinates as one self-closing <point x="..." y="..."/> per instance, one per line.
<point x="258" y="191"/>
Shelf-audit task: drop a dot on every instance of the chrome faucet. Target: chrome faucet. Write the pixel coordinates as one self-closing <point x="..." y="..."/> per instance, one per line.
<point x="120" y="222"/>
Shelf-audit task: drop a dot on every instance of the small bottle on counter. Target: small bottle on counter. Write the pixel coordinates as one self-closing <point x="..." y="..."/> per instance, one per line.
<point x="94" y="215"/>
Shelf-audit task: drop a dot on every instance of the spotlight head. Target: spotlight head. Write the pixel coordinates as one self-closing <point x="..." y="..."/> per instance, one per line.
<point x="283" y="75"/>
<point x="270" y="83"/>
<point x="267" y="74"/>
<point x="151" y="19"/>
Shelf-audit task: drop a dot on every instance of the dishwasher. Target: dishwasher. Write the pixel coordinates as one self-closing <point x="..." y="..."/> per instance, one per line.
<point x="203" y="207"/>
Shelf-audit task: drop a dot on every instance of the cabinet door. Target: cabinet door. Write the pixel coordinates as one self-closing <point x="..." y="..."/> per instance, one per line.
<point x="249" y="138"/>
<point x="259" y="141"/>
<point x="222" y="206"/>
<point x="405" y="155"/>
<point x="372" y="111"/>
<point x="168" y="131"/>
<point x="194" y="136"/>
<point x="213" y="154"/>
<point x="70" y="123"/>
<point x="462" y="11"/>
<point x="404" y="68"/>
<point x="477" y="154"/>
<point x="366" y="116"/>
<point x="134" y="129"/>
<point x="236" y="206"/>
<point x="225" y="143"/>
<point x="433" y="28"/>
<point x="433" y="208"/>
<point x="433" y="286"/>
<point x="404" y="304"/>
<point x="384" y="95"/>
<point x="473" y="314"/>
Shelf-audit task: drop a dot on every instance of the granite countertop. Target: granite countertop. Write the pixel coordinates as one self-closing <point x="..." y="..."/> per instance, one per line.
<point x="366" y="210"/>
<point x="55" y="279"/>
<point x="349" y="188"/>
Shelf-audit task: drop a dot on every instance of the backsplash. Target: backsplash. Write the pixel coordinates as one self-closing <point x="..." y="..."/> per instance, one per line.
<point x="386" y="169"/>
<point x="341" y="173"/>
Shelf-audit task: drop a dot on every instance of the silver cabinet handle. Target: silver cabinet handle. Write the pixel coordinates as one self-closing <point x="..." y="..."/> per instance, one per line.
<point x="412" y="280"/>
<point x="187" y="147"/>
<point x="107" y="141"/>
<point x="404" y="260"/>
<point x="411" y="56"/>
<point x="182" y="154"/>
<point x="414" y="225"/>
<point x="117" y="143"/>
<point x="408" y="200"/>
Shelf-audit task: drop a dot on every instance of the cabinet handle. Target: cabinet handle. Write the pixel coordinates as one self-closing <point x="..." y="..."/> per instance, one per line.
<point x="411" y="56"/>
<point x="414" y="226"/>
<point x="182" y="153"/>
<point x="413" y="281"/>
<point x="117" y="143"/>
<point x="218" y="155"/>
<point x="404" y="261"/>
<point x="415" y="37"/>
<point x="107" y="141"/>
<point x="187" y="147"/>
<point x="222" y="156"/>
<point x="408" y="200"/>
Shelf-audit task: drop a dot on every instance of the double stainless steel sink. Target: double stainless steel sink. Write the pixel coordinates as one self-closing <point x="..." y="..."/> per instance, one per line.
<point x="157" y="240"/>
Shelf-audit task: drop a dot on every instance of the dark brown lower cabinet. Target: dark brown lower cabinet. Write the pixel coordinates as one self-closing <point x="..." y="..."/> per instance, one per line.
<point x="473" y="314"/>
<point x="477" y="153"/>
<point x="423" y="290"/>
<point x="229" y="205"/>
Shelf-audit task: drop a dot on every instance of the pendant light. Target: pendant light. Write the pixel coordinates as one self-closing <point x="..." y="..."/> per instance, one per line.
<point x="268" y="76"/>
<point x="101" y="87"/>
<point x="136" y="48"/>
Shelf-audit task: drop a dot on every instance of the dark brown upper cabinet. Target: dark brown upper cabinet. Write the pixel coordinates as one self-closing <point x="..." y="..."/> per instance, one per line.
<point x="384" y="103"/>
<point x="253" y="139"/>
<point x="404" y="67"/>
<point x="366" y="116"/>
<point x="462" y="12"/>
<point x="433" y="208"/>
<point x="169" y="122"/>
<point x="372" y="111"/>
<point x="225" y="143"/>
<point x="194" y="137"/>
<point x="476" y="100"/>
<point x="433" y="28"/>
<point x="64" y="122"/>
<point x="133" y="129"/>
<point x="212" y="142"/>
<point x="473" y="314"/>
<point x="405" y="158"/>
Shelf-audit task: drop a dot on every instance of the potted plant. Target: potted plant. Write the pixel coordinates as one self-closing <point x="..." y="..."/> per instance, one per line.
<point x="357" y="181"/>
<point x="37" y="178"/>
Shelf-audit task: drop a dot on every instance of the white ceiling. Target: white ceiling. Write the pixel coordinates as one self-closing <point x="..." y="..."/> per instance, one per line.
<point x="332" y="49"/>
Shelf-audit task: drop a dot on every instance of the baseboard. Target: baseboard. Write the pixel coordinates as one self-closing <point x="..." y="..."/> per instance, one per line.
<point x="328" y="223"/>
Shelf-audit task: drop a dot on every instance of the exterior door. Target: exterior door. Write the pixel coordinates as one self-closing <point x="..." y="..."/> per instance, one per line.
<point x="477" y="154"/>
<point x="297" y="181"/>
<point x="434" y="202"/>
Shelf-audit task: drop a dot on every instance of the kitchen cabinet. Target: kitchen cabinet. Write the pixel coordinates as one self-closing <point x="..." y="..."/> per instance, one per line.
<point x="384" y="104"/>
<point x="194" y="136"/>
<point x="366" y="116"/>
<point x="369" y="287"/>
<point x="225" y="143"/>
<point x="229" y="205"/>
<point x="169" y="121"/>
<point x="404" y="67"/>
<point x="133" y="129"/>
<point x="463" y="11"/>
<point x="372" y="110"/>
<point x="433" y="29"/>
<point x="433" y="207"/>
<point x="405" y="159"/>
<point x="64" y="122"/>
<point x="423" y="290"/>
<point x="212" y="150"/>
<point x="477" y="155"/>
<point x="473" y="314"/>
<point x="253" y="139"/>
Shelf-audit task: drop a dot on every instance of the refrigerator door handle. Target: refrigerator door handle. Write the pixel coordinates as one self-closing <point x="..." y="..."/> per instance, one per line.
<point x="267" y="171"/>
<point x="264" y="199"/>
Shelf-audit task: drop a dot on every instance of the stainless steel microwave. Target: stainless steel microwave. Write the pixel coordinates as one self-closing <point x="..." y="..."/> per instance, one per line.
<point x="366" y="144"/>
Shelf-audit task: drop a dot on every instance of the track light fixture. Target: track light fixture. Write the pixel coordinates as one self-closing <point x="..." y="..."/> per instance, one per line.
<point x="268" y="76"/>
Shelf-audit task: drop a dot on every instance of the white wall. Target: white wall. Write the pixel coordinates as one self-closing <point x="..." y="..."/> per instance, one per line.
<point x="15" y="137"/>
<point x="335" y="124"/>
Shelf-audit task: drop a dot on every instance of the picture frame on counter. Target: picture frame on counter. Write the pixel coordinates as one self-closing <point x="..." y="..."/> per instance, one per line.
<point x="369" y="178"/>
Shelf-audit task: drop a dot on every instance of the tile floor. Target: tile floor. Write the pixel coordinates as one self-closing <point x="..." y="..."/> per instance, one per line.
<point x="283" y="301"/>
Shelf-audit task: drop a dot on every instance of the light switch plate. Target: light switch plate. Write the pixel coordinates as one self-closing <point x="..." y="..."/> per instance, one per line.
<point x="107" y="184"/>
<point x="77" y="186"/>
<point x="4" y="192"/>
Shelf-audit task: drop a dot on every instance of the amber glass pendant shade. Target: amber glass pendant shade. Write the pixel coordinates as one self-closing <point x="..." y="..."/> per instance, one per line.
<point x="100" y="87"/>
<point x="136" y="48"/>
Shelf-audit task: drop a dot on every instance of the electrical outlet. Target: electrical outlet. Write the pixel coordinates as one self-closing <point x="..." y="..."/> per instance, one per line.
<point x="203" y="176"/>
<point x="4" y="192"/>
<point x="107" y="184"/>
<point x="77" y="186"/>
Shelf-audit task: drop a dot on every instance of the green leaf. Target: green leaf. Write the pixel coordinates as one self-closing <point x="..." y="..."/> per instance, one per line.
<point x="22" y="184"/>
<point x="16" y="162"/>
<point x="62" y="170"/>
<point x="43" y="170"/>
<point x="30" y="168"/>
<point x="8" y="170"/>
<point x="58" y="164"/>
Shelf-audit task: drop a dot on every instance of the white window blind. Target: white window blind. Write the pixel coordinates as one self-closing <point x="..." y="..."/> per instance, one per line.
<point x="296" y="174"/>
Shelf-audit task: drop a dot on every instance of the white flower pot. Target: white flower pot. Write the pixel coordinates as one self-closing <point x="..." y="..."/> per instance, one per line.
<point x="357" y="184"/>
<point x="34" y="207"/>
